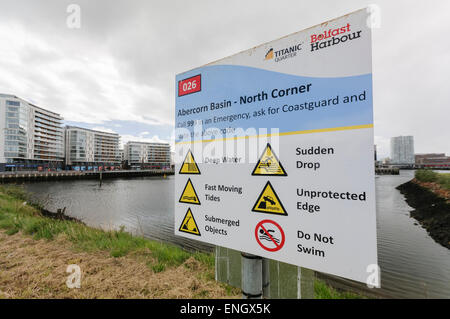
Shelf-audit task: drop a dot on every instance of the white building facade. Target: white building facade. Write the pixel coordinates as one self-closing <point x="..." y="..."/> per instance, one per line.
<point x="31" y="138"/>
<point x="141" y="155"/>
<point x="90" y="149"/>
<point x="402" y="150"/>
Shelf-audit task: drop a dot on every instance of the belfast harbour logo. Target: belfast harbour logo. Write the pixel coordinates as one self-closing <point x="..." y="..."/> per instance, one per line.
<point x="332" y="37"/>
<point x="283" y="54"/>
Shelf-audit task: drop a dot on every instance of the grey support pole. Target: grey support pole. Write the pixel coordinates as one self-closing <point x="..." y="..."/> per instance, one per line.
<point x="266" y="278"/>
<point x="252" y="283"/>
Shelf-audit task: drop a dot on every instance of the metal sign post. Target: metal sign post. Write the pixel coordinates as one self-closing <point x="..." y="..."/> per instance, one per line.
<point x="252" y="276"/>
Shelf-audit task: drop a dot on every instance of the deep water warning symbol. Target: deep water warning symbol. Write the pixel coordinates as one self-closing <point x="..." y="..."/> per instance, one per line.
<point x="189" y="195"/>
<point x="189" y="165"/>
<point x="189" y="225"/>
<point x="269" y="164"/>
<point x="268" y="202"/>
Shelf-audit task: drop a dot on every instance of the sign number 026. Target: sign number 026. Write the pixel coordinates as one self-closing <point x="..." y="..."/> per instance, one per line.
<point x="190" y="85"/>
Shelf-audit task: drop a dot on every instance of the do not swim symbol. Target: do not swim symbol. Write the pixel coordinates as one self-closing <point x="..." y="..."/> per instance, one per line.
<point x="269" y="235"/>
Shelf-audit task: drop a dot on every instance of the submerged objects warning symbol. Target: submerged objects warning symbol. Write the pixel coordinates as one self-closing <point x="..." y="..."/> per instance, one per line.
<point x="269" y="164"/>
<point x="189" y="165"/>
<point x="189" y="225"/>
<point x="268" y="202"/>
<point x="269" y="235"/>
<point x="189" y="195"/>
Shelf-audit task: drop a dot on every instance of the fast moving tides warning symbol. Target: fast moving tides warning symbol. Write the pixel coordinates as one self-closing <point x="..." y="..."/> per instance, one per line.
<point x="269" y="235"/>
<point x="269" y="164"/>
<point x="189" y="165"/>
<point x="189" y="195"/>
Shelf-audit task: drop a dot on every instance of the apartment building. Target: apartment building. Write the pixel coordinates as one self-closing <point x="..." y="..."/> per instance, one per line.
<point x="141" y="155"/>
<point x="91" y="150"/>
<point x="31" y="137"/>
<point x="402" y="150"/>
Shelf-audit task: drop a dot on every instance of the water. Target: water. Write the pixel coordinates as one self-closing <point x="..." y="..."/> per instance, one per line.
<point x="412" y="264"/>
<point x="144" y="206"/>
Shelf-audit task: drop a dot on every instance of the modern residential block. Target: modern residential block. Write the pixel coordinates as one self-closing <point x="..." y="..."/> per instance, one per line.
<point x="31" y="137"/>
<point x="141" y="155"/>
<point x="90" y="149"/>
<point x="402" y="150"/>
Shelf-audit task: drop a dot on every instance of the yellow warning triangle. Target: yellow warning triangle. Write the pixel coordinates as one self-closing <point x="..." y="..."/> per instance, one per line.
<point x="189" y="165"/>
<point x="189" y="195"/>
<point x="189" y="225"/>
<point x="269" y="164"/>
<point x="268" y="202"/>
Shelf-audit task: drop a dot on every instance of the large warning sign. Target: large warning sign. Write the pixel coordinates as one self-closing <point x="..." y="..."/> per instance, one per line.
<point x="274" y="150"/>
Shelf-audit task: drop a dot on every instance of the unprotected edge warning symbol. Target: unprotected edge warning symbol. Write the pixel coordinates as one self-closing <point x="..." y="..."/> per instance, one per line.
<point x="269" y="164"/>
<point x="189" y="195"/>
<point x="268" y="202"/>
<point x="189" y="165"/>
<point x="189" y="225"/>
<point x="269" y="235"/>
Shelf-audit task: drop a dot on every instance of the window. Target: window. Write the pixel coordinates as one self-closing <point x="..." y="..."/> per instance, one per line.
<point x="13" y="103"/>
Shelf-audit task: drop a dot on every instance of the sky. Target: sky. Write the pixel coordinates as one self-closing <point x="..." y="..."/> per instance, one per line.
<point x="116" y="72"/>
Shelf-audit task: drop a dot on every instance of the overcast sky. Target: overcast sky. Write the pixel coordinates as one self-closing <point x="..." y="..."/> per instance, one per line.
<point x="117" y="72"/>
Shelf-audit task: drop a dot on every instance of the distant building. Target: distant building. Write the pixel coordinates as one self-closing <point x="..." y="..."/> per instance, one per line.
<point x="402" y="150"/>
<point x="142" y="155"/>
<point x="31" y="138"/>
<point x="439" y="160"/>
<point x="90" y="149"/>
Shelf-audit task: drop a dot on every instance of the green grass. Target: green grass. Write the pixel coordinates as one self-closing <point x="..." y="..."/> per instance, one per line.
<point x="444" y="180"/>
<point x="323" y="291"/>
<point x="16" y="215"/>
<point x="428" y="176"/>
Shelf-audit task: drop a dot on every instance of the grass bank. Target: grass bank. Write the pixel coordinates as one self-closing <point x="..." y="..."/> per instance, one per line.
<point x="439" y="183"/>
<point x="35" y="251"/>
<point x="429" y="194"/>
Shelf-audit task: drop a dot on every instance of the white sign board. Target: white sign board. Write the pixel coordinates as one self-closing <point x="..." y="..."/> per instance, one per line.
<point x="275" y="150"/>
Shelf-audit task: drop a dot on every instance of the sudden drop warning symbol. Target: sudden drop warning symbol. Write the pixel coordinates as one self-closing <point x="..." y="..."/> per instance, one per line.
<point x="189" y="165"/>
<point x="189" y="195"/>
<point x="269" y="164"/>
<point x="268" y="202"/>
<point x="189" y="225"/>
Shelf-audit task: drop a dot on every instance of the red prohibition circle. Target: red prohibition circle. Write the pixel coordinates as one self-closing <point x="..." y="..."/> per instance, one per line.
<point x="278" y="246"/>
